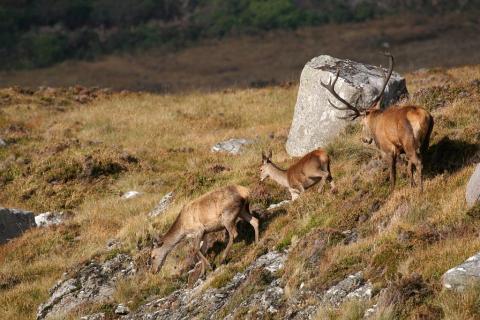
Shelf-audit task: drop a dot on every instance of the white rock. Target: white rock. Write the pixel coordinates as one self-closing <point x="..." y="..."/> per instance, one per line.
<point x="122" y="310"/>
<point x="315" y="122"/>
<point x="2" y="143"/>
<point x="162" y="205"/>
<point x="277" y="205"/>
<point x="49" y="219"/>
<point x="472" y="194"/>
<point x="131" y="194"/>
<point x="232" y="146"/>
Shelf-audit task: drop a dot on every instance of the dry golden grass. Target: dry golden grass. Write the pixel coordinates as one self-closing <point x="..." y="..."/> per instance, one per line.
<point x="171" y="136"/>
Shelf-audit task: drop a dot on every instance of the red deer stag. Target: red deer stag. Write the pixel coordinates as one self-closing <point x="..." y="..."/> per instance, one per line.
<point x="312" y="168"/>
<point x="214" y="211"/>
<point x="397" y="129"/>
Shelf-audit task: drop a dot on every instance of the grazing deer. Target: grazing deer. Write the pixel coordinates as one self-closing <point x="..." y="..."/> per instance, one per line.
<point x="214" y="211"/>
<point x="395" y="130"/>
<point x="312" y="168"/>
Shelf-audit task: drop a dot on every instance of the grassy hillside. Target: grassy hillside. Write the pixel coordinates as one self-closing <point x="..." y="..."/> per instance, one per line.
<point x="79" y="157"/>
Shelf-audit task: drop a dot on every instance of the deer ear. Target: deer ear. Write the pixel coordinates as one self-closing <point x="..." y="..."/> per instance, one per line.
<point x="270" y="154"/>
<point x="264" y="157"/>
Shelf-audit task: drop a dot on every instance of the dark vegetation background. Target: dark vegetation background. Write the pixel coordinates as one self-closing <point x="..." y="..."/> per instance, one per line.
<point x="40" y="33"/>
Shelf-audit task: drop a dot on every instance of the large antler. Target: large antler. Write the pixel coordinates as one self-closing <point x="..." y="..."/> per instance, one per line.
<point x="387" y="78"/>
<point x="331" y="88"/>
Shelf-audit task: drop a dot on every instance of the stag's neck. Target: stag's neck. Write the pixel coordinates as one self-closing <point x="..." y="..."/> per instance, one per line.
<point x="278" y="175"/>
<point x="174" y="234"/>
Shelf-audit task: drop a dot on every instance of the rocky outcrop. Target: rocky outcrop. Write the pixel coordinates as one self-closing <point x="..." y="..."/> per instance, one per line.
<point x="162" y="205"/>
<point x="464" y="275"/>
<point x="472" y="194"/>
<point x="14" y="222"/>
<point x="352" y="287"/>
<point x="315" y="122"/>
<point x="93" y="282"/>
<point x="232" y="146"/>
<point x="205" y="302"/>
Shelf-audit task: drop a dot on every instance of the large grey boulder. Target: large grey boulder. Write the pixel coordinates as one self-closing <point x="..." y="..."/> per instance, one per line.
<point x="14" y="222"/>
<point x="315" y="122"/>
<point x="472" y="194"/>
<point x="464" y="275"/>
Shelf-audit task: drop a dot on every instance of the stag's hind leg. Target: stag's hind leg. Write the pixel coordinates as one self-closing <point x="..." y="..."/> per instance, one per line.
<point x="253" y="222"/>
<point x="416" y="159"/>
<point x="231" y="227"/>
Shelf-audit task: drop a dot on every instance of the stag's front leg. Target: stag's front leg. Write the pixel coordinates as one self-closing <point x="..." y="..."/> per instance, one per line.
<point x="198" y="251"/>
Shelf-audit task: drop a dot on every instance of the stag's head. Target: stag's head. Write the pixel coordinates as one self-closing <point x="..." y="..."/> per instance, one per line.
<point x="353" y="111"/>
<point x="266" y="163"/>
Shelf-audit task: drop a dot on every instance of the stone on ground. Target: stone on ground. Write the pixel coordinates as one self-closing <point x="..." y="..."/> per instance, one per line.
<point x="232" y="146"/>
<point x="464" y="275"/>
<point x="14" y="222"/>
<point x="162" y="205"/>
<point x="472" y="194"/>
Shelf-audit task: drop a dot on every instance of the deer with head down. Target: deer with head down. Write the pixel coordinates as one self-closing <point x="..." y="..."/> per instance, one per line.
<point x="311" y="169"/>
<point x="395" y="130"/>
<point x="214" y="211"/>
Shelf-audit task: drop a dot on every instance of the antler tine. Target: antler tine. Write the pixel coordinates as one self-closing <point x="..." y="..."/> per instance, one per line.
<point x="386" y="77"/>
<point x="331" y="88"/>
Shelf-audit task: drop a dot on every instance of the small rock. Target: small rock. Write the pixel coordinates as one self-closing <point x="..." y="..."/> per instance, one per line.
<point x="2" y="143"/>
<point x="122" y="310"/>
<point x="232" y="146"/>
<point x="352" y="287"/>
<point x="49" y="219"/>
<point x="131" y="194"/>
<point x="162" y="205"/>
<point x="351" y="236"/>
<point x="274" y="206"/>
<point x="472" y="194"/>
<point x="113" y="244"/>
<point x="463" y="275"/>
<point x="95" y="316"/>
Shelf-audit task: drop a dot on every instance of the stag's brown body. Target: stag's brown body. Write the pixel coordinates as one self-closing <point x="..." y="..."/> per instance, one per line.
<point x="395" y="130"/>
<point x="401" y="129"/>
<point x="311" y="169"/>
<point x="211" y="212"/>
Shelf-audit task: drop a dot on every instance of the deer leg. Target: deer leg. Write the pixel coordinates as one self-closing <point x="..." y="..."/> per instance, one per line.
<point x="294" y="193"/>
<point x="252" y="220"/>
<point x="232" y="234"/>
<point x="393" y="171"/>
<point x="198" y="250"/>
<point x="419" y="168"/>
<point x="323" y="177"/>
<point x="410" y="173"/>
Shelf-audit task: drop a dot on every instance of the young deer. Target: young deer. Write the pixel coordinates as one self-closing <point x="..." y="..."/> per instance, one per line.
<point x="395" y="130"/>
<point x="211" y="212"/>
<point x="314" y="167"/>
